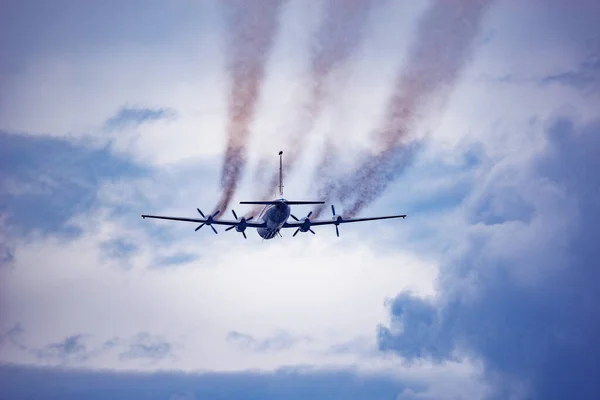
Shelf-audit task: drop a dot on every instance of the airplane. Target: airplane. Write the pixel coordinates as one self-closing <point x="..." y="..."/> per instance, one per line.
<point x="273" y="217"/>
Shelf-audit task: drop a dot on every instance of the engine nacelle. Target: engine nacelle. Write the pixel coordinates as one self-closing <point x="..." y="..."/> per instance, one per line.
<point x="306" y="224"/>
<point x="241" y="227"/>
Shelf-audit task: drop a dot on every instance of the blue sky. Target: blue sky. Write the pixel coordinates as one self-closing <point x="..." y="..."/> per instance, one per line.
<point x="486" y="291"/>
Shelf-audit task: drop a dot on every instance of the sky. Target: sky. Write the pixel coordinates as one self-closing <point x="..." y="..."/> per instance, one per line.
<point x="479" y="119"/>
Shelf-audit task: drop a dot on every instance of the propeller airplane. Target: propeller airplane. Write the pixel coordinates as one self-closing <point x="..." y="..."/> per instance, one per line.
<point x="273" y="217"/>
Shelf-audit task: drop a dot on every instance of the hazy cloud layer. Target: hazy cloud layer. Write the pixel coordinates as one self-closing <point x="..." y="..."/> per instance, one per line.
<point x="15" y="382"/>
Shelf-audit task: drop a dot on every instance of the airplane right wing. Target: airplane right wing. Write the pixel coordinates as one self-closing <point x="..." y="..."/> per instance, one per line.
<point x="210" y="221"/>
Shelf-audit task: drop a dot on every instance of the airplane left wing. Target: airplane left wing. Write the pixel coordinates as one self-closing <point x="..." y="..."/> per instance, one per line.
<point x="305" y="224"/>
<point x="343" y="221"/>
<point x="340" y="220"/>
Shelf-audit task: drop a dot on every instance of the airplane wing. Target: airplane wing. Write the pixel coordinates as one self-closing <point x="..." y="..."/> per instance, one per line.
<point x="343" y="221"/>
<point x="339" y="221"/>
<point x="205" y="221"/>
<point x="305" y="224"/>
<point x="210" y="221"/>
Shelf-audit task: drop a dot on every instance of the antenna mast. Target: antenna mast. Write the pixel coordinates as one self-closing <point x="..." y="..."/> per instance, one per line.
<point x="281" y="173"/>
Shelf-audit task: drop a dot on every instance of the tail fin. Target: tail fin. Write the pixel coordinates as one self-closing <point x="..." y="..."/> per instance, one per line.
<point x="281" y="173"/>
<point x="282" y="200"/>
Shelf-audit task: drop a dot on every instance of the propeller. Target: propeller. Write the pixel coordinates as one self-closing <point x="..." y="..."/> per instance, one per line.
<point x="209" y="220"/>
<point x="338" y="219"/>
<point x="306" y="224"/>
<point x="242" y="224"/>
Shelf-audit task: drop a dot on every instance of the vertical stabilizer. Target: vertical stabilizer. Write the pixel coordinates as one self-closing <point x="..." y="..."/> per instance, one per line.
<point x="281" y="173"/>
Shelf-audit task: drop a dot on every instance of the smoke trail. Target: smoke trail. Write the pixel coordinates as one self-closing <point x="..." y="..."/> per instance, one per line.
<point x="337" y="39"/>
<point x="442" y="48"/>
<point x="251" y="26"/>
<point x="366" y="183"/>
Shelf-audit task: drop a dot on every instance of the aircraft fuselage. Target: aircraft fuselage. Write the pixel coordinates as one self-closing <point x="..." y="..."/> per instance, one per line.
<point x="275" y="215"/>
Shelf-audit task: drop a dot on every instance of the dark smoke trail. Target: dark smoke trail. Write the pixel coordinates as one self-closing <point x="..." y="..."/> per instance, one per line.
<point x="336" y="41"/>
<point x="251" y="26"/>
<point x="443" y="44"/>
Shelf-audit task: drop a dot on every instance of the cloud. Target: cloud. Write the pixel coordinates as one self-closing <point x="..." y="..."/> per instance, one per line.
<point x="6" y="252"/>
<point x="44" y="180"/>
<point x="6" y="255"/>
<point x="521" y="294"/>
<point x="361" y="345"/>
<point x="585" y="77"/>
<point x="13" y="337"/>
<point x="416" y="321"/>
<point x="147" y="347"/>
<point x="81" y="348"/>
<point x="71" y="348"/>
<point x="128" y="116"/>
<point x="119" y="248"/>
<point x="177" y="259"/>
<point x="277" y="342"/>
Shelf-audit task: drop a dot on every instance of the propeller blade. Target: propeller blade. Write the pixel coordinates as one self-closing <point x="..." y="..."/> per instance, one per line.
<point x="337" y="231"/>
<point x="216" y="213"/>
<point x="234" y="214"/>
<point x="201" y="213"/>
<point x="293" y="216"/>
<point x="333" y="210"/>
<point x="230" y="228"/>
<point x="214" y="230"/>
<point x="309" y="214"/>
<point x="244" y="233"/>
<point x="248" y="219"/>
<point x="311" y="231"/>
<point x="295" y="233"/>
<point x="199" y="226"/>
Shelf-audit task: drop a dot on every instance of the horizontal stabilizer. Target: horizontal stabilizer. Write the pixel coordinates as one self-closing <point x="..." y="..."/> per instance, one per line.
<point x="282" y="201"/>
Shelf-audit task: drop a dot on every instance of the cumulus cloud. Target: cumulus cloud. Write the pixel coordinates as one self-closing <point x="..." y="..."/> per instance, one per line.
<point x="521" y="296"/>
